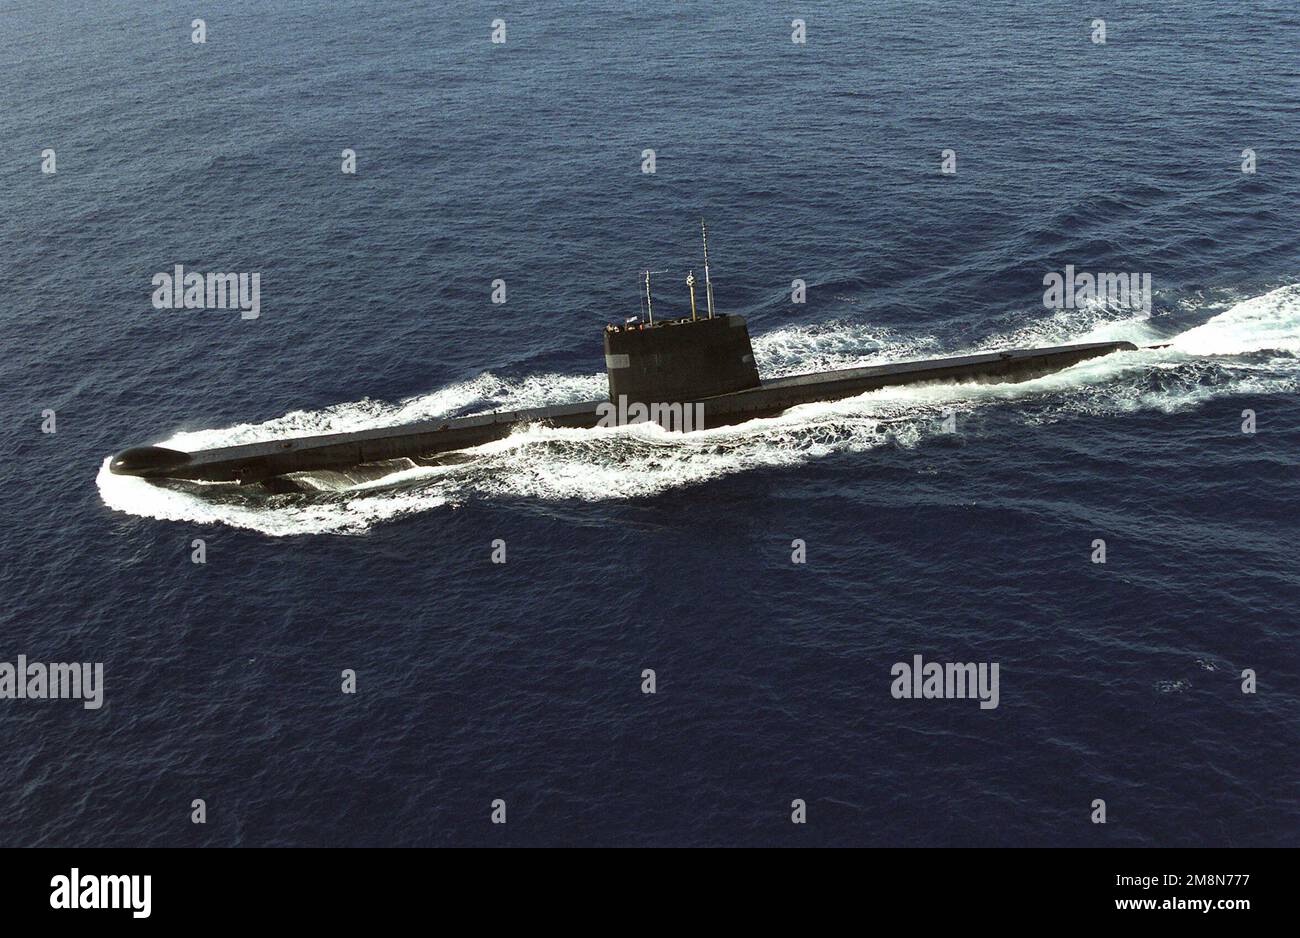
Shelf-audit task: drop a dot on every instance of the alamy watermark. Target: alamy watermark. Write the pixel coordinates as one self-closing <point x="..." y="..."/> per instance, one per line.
<point x="678" y="418"/>
<point x="58" y="680"/>
<point x="80" y="890"/>
<point x="933" y="680"/>
<point x="1070" y="290"/>
<point x="193" y="290"/>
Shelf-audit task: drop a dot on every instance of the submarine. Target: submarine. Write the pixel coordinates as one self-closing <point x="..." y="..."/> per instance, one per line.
<point x="697" y="370"/>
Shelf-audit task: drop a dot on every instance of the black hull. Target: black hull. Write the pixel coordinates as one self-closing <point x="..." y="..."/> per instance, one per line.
<point x="256" y="462"/>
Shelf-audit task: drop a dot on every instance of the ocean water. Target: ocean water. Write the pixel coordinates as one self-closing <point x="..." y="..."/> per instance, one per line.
<point x="633" y="549"/>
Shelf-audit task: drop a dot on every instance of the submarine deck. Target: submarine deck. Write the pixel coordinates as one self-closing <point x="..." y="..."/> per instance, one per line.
<point x="947" y="365"/>
<point x="251" y="462"/>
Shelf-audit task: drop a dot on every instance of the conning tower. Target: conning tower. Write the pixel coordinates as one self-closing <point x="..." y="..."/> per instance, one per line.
<point x="678" y="360"/>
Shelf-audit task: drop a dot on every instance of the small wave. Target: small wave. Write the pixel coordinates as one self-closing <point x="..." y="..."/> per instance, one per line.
<point x="487" y="392"/>
<point x="1094" y="321"/>
<point x="825" y="346"/>
<point x="276" y="515"/>
<point x="1264" y="323"/>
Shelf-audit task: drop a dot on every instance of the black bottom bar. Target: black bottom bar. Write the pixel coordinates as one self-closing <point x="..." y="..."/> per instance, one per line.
<point x="340" y="888"/>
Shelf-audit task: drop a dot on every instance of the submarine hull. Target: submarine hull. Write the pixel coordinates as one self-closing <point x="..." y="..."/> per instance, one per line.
<point x="257" y="462"/>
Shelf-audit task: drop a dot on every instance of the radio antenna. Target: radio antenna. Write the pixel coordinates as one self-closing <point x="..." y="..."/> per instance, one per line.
<point x="650" y="310"/>
<point x="708" y="285"/>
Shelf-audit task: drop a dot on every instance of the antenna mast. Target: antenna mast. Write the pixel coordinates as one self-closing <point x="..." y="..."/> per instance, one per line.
<point x="708" y="285"/>
<point x="650" y="310"/>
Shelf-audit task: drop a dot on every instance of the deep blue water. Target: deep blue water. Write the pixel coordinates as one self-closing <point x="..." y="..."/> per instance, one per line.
<point x="522" y="681"/>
